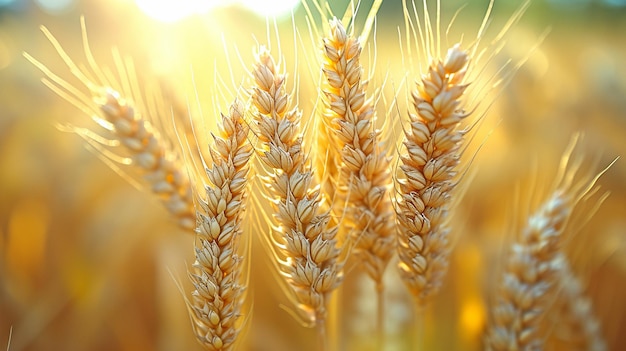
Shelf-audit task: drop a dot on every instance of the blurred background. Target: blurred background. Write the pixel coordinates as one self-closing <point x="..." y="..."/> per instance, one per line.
<point x="88" y="262"/>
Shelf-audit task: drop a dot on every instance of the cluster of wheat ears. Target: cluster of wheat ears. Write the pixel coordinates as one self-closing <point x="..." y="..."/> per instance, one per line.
<point x="344" y="190"/>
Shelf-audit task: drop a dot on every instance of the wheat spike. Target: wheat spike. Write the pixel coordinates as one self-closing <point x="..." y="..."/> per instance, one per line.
<point x="160" y="167"/>
<point x="306" y="245"/>
<point x="428" y="175"/>
<point x="365" y="179"/>
<point x="536" y="264"/>
<point x="216" y="303"/>
<point x="529" y="278"/>
<point x="127" y="124"/>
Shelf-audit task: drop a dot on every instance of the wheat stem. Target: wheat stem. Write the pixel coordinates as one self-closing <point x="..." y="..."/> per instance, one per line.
<point x="419" y="338"/>
<point x="322" y="335"/>
<point x="380" y="315"/>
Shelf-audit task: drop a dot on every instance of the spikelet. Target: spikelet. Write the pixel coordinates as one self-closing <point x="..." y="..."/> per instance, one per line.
<point x="363" y="185"/>
<point x="306" y="246"/>
<point x="428" y="175"/>
<point x="144" y="149"/>
<point x="215" y="308"/>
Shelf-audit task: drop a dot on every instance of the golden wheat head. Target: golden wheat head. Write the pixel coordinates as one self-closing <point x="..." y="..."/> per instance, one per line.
<point x="215" y="307"/>
<point x="306" y="246"/>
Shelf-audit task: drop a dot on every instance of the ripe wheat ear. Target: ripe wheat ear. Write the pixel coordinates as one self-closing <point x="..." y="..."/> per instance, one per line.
<point x="217" y="276"/>
<point x="128" y="127"/>
<point x="427" y="179"/>
<point x="362" y="180"/>
<point x="365" y="179"/>
<point x="531" y="276"/>
<point x="305" y="243"/>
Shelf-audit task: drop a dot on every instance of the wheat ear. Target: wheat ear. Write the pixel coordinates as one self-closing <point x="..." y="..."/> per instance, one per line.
<point x="365" y="179"/>
<point x="579" y="314"/>
<point x="306" y="244"/>
<point x="428" y="175"/>
<point x="530" y="279"/>
<point x="147" y="151"/>
<point x="216" y="303"/>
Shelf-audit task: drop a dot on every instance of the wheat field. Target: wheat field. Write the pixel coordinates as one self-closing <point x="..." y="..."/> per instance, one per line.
<point x="318" y="181"/>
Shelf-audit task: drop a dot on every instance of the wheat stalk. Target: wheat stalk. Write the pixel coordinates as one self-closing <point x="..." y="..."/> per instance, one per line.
<point x="306" y="247"/>
<point x="427" y="175"/>
<point x="215" y="308"/>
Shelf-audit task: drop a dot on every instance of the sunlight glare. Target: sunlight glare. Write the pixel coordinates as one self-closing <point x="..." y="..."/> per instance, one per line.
<point x="175" y="10"/>
<point x="270" y="8"/>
